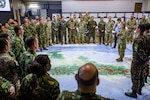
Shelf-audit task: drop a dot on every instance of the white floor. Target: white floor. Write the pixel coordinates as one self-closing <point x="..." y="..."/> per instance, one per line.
<point x="66" y="59"/>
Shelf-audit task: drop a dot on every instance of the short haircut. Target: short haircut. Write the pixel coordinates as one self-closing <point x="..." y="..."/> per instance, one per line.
<point x="16" y="28"/>
<point x="4" y="35"/>
<point x="3" y="43"/>
<point x="142" y="27"/>
<point x="30" y="41"/>
<point x="38" y="66"/>
<point x="89" y="82"/>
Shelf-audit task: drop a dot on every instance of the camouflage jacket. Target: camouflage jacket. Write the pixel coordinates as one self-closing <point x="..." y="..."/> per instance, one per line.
<point x="140" y="50"/>
<point x="4" y="87"/>
<point x="17" y="46"/>
<point x="39" y="88"/>
<point x="8" y="68"/>
<point x="25" y="59"/>
<point x="77" y="95"/>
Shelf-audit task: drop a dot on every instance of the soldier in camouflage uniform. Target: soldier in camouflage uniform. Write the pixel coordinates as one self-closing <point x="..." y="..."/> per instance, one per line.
<point x="8" y="66"/>
<point x="122" y="41"/>
<point x="71" y="24"/>
<point x="48" y="31"/>
<point x="101" y="28"/>
<point x="7" y="37"/>
<point x="55" y="30"/>
<point x="7" y="89"/>
<point x="91" y="25"/>
<point x="41" y="35"/>
<point x="63" y="34"/>
<point x="108" y="34"/>
<point x="17" y="44"/>
<point x="140" y="57"/>
<point x="39" y="85"/>
<point x="10" y="26"/>
<point x="131" y="25"/>
<point x="143" y="20"/>
<point x="81" y="34"/>
<point x="28" y="57"/>
<point x="32" y="27"/>
<point x="87" y="79"/>
<point x="147" y="34"/>
<point x="86" y="17"/>
<point x="27" y="31"/>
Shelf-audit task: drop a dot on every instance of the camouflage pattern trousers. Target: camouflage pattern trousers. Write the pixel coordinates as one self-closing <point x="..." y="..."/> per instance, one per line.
<point x="137" y="75"/>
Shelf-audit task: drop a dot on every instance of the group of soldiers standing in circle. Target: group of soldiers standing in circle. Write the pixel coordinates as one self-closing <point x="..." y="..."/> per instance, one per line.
<point x="23" y="42"/>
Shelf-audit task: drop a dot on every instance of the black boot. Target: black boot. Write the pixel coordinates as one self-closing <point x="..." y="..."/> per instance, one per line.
<point x="140" y="92"/>
<point x="131" y="94"/>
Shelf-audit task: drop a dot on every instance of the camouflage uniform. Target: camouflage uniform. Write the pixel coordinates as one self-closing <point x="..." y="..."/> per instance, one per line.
<point x="17" y="46"/>
<point x="72" y="31"/>
<point x="77" y="95"/>
<point x="146" y="70"/>
<point x="55" y="31"/>
<point x="39" y="88"/>
<point x="81" y="34"/>
<point x="143" y="21"/>
<point x="27" y="32"/>
<point x="131" y="25"/>
<point x="140" y="57"/>
<point x="122" y="42"/>
<point x="32" y="28"/>
<point x="108" y="35"/>
<point x="91" y="25"/>
<point x="4" y="88"/>
<point x="101" y="28"/>
<point x="40" y="28"/>
<point x="26" y="58"/>
<point x="48" y="31"/>
<point x="8" y="68"/>
<point x="86" y="18"/>
<point x="11" y="28"/>
<point x="63" y="26"/>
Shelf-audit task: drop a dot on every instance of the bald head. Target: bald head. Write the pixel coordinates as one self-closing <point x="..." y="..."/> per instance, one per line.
<point x="87" y="74"/>
<point x="87" y="71"/>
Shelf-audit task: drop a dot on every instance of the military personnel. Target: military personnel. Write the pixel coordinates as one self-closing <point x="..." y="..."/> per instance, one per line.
<point x="27" y="31"/>
<point x="39" y="85"/>
<point x="140" y="57"/>
<point x="147" y="34"/>
<point x="87" y="80"/>
<point x="7" y="30"/>
<point x="17" y="44"/>
<point x="63" y="26"/>
<point x="81" y="34"/>
<point x="41" y="35"/>
<point x="108" y="34"/>
<point x="101" y="28"/>
<point x="55" y="30"/>
<point x="122" y="41"/>
<point x="86" y="17"/>
<point x="91" y="25"/>
<point x="32" y="27"/>
<point x="28" y="57"/>
<point x="2" y="28"/>
<point x="8" y="38"/>
<point x="8" y="66"/>
<point x="131" y="25"/>
<point x="116" y="29"/>
<point x="72" y="25"/>
<point x="48" y="31"/>
<point x="143" y="20"/>
<point x="7" y="89"/>
<point x="10" y="26"/>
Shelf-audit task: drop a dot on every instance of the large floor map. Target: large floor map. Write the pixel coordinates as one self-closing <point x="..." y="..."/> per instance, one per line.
<point x="114" y="76"/>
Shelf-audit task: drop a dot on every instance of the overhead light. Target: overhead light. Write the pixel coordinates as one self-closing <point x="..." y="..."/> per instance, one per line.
<point x="33" y="6"/>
